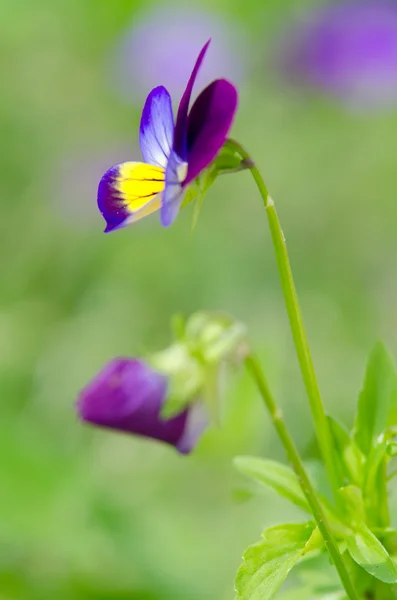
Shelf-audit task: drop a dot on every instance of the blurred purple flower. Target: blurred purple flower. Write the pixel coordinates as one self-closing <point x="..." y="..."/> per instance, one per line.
<point x="128" y="395"/>
<point x="348" y="50"/>
<point x="161" y="45"/>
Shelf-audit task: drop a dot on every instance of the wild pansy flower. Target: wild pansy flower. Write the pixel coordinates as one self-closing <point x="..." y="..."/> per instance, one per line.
<point x="348" y="50"/>
<point x="128" y="395"/>
<point x="175" y="154"/>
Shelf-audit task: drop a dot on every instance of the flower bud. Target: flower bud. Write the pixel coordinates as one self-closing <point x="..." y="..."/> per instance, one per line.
<point x="127" y="395"/>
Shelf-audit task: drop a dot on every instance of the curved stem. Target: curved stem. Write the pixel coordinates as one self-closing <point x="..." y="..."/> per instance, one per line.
<point x="253" y="367"/>
<point x="296" y="322"/>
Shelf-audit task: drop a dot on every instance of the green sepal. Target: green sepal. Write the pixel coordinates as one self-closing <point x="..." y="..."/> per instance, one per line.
<point x="229" y="161"/>
<point x="214" y="336"/>
<point x="185" y="375"/>
<point x="194" y="362"/>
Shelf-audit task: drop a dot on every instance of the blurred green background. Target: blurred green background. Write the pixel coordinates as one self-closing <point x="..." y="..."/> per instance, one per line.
<point x="92" y="515"/>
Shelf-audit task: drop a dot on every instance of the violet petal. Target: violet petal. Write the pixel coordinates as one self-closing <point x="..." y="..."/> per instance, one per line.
<point x="182" y="117"/>
<point x="157" y="127"/>
<point x="209" y="123"/>
<point x="172" y="196"/>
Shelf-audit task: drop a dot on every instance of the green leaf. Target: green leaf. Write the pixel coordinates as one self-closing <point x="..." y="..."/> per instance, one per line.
<point x="348" y="456"/>
<point x="302" y="593"/>
<point x="369" y="553"/>
<point x="274" y="475"/>
<point x="375" y="484"/>
<point x="353" y="504"/>
<point x="267" y="563"/>
<point x="377" y="403"/>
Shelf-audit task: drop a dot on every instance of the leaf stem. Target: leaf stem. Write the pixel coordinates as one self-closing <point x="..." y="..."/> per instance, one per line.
<point x="296" y="323"/>
<point x="253" y="367"/>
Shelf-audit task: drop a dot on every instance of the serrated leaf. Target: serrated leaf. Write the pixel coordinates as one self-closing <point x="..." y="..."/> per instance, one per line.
<point x="377" y="401"/>
<point x="275" y="475"/>
<point x="267" y="563"/>
<point x="366" y="550"/>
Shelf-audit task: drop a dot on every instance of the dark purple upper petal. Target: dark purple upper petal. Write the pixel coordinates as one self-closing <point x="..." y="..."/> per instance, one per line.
<point x="182" y="117"/>
<point x="128" y="395"/>
<point x="156" y="132"/>
<point x="208" y="125"/>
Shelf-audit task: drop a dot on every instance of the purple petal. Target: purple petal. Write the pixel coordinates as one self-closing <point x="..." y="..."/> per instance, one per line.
<point x="157" y="127"/>
<point x="128" y="395"/>
<point x="128" y="192"/>
<point x="209" y="123"/>
<point x="182" y="117"/>
<point x="114" y="210"/>
<point x="173" y="193"/>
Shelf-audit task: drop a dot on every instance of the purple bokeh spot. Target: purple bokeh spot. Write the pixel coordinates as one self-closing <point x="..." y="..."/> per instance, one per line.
<point x="348" y="50"/>
<point x="160" y="48"/>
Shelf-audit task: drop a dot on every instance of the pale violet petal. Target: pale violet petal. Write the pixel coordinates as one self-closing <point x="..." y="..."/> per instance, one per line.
<point x="156" y="132"/>
<point x="173" y="194"/>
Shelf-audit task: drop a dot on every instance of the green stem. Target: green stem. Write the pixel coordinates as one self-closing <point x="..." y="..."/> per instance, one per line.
<point x="296" y="322"/>
<point x="254" y="368"/>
